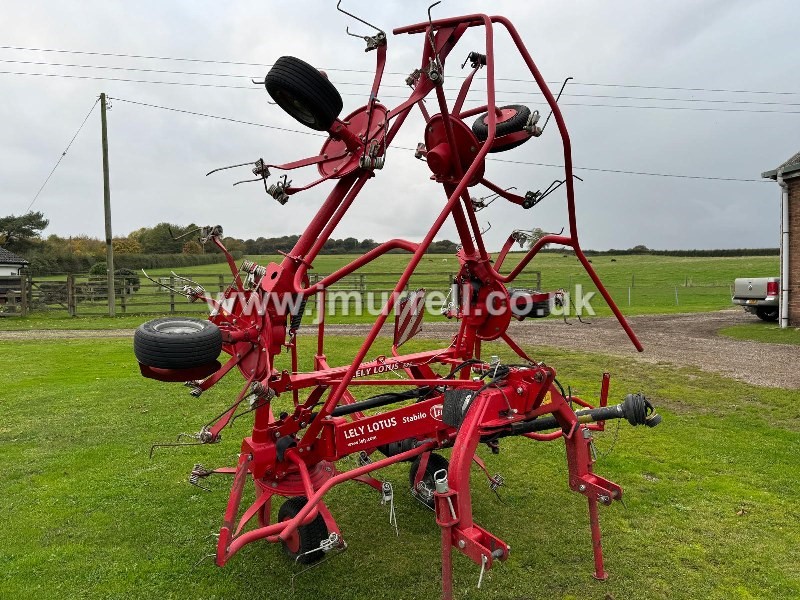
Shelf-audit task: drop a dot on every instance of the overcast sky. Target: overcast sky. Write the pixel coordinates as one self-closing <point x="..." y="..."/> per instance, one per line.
<point x="159" y="158"/>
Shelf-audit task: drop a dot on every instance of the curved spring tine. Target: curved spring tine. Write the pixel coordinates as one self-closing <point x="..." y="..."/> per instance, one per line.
<point x="247" y="164"/>
<point x="355" y="35"/>
<point x="264" y="83"/>
<point x="164" y="285"/>
<point x="359" y="19"/>
<point x="248" y="180"/>
<point x="154" y="446"/>
<point x="174" y="274"/>
<point x="434" y="54"/>
<point x="183" y="235"/>
<point x="549" y="191"/>
<point x="563" y="85"/>
<point x="430" y="20"/>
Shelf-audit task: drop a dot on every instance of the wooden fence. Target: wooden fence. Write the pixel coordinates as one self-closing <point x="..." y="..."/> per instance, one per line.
<point x="85" y="295"/>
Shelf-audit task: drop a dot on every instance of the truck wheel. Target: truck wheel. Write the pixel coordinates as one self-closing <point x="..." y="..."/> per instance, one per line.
<point x="177" y="343"/>
<point x="767" y="313"/>
<point x="303" y="545"/>
<point x="303" y="92"/>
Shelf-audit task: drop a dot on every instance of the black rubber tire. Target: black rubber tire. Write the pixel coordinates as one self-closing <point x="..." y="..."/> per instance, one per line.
<point x="303" y="92"/>
<point x="395" y="448"/>
<point x="177" y="343"/>
<point x="767" y="313"/>
<point x="455" y="405"/>
<point x="436" y="462"/>
<point x="512" y="125"/>
<point x="310" y="536"/>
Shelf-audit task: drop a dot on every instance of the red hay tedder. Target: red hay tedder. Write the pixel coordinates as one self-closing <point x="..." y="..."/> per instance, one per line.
<point x="448" y="397"/>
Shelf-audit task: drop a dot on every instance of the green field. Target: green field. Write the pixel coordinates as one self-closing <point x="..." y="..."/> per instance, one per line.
<point x="711" y="494"/>
<point x="763" y="332"/>
<point x="640" y="284"/>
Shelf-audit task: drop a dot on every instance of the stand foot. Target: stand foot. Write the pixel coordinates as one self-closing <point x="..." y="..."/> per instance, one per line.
<point x="597" y="546"/>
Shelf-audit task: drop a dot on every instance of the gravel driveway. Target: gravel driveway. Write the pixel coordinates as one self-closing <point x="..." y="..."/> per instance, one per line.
<point x="681" y="339"/>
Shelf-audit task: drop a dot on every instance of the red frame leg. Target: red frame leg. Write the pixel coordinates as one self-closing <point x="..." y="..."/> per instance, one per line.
<point x="597" y="545"/>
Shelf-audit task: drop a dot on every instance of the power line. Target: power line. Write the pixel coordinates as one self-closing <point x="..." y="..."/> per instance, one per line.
<point x="94" y="78"/>
<point x="250" y="64"/>
<point x="367" y="85"/>
<point x="500" y="101"/>
<point x="230" y="119"/>
<point x="621" y="171"/>
<point x="63" y="154"/>
<point x="617" y="171"/>
<point x="120" y="55"/>
<point x="118" y="68"/>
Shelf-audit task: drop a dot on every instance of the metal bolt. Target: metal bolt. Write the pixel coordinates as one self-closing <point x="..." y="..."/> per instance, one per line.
<point x="519" y="391"/>
<point x="604" y="499"/>
<point x="462" y="544"/>
<point x="277" y="434"/>
<point x="581" y="488"/>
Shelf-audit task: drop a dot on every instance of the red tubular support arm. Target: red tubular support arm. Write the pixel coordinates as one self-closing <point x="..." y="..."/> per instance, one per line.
<point x="358" y="263"/>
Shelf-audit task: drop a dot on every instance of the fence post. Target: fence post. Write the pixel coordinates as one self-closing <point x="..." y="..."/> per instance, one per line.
<point x="676" y="295"/>
<point x="71" y="303"/>
<point x="123" y="295"/>
<point x="629" y="296"/>
<point x="171" y="295"/>
<point x="221" y="280"/>
<point x="362" y="285"/>
<point x="24" y="288"/>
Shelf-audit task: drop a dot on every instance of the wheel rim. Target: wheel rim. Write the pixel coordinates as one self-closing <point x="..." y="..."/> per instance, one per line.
<point x="178" y="327"/>
<point x="506" y="114"/>
<point x="296" y="108"/>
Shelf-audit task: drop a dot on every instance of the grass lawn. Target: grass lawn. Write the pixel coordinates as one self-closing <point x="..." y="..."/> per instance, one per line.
<point x="711" y="494"/>
<point x="49" y="320"/>
<point x="760" y="331"/>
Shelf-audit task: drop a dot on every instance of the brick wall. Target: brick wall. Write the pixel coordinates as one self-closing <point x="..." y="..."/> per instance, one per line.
<point x="794" y="251"/>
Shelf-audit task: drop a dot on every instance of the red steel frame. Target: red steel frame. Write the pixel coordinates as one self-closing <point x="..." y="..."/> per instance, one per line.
<point x="295" y="454"/>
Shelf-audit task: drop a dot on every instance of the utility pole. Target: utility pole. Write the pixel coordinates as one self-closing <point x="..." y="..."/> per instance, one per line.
<point x="112" y="309"/>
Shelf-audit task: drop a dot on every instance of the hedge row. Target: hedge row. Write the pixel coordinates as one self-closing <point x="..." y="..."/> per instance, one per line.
<point x="51" y="265"/>
<point x="690" y="253"/>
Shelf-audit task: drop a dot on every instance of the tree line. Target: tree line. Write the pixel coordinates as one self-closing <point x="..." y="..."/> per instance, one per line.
<point x="171" y="245"/>
<point x="164" y="245"/>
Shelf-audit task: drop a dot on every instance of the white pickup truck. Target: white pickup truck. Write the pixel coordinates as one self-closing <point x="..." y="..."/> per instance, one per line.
<point x="758" y="295"/>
